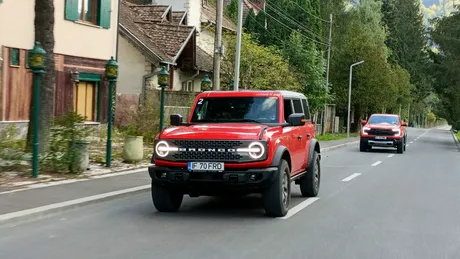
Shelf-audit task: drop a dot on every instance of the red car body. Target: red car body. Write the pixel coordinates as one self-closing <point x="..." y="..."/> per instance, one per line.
<point x="383" y="130"/>
<point x="287" y="134"/>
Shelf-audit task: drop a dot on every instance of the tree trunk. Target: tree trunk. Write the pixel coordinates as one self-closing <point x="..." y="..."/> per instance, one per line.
<point x="44" y="33"/>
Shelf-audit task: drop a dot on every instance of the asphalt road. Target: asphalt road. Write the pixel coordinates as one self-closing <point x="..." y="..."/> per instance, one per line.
<point x="371" y="205"/>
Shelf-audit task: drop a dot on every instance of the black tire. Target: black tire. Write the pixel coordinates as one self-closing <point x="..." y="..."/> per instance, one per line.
<point x="309" y="184"/>
<point x="277" y="196"/>
<point x="166" y="200"/>
<point x="363" y="147"/>
<point x="405" y="144"/>
<point x="400" y="148"/>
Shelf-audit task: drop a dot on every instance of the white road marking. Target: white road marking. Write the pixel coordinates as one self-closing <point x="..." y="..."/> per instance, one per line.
<point x="376" y="163"/>
<point x="407" y="145"/>
<point x="296" y="209"/>
<point x="412" y="142"/>
<point x="351" y="177"/>
<point x="64" y="204"/>
<point x="392" y="155"/>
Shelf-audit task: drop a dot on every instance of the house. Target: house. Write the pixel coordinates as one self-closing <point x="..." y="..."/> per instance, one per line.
<point x="85" y="39"/>
<point x="152" y="36"/>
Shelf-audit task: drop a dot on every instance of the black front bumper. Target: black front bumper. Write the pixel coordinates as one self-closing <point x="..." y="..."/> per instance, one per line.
<point x="210" y="183"/>
<point x="373" y="142"/>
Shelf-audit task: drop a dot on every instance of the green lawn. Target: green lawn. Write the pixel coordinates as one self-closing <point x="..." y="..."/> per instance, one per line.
<point x="334" y="136"/>
<point x="458" y="135"/>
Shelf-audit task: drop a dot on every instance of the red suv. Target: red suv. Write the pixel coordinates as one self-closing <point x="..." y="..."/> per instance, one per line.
<point x="383" y="130"/>
<point x="238" y="142"/>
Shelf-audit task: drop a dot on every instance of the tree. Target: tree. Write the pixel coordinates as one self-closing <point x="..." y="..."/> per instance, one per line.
<point x="261" y="67"/>
<point x="310" y="66"/>
<point x="445" y="68"/>
<point x="231" y="11"/>
<point x="44" y="33"/>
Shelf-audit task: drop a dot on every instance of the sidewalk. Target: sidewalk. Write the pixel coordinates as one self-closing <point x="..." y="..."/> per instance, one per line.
<point x="15" y="202"/>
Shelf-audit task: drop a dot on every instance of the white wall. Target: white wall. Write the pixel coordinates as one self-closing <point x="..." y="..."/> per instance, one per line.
<point x="132" y="68"/>
<point x="17" y="30"/>
<point x="177" y="5"/>
<point x="205" y="40"/>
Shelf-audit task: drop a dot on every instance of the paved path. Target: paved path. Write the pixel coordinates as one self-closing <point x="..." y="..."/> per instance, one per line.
<point x="377" y="204"/>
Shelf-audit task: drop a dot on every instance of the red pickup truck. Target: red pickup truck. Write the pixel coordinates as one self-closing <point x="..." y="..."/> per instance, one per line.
<point x="238" y="142"/>
<point x="383" y="130"/>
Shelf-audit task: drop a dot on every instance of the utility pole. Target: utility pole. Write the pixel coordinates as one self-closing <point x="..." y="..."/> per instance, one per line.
<point x="408" y="114"/>
<point x="323" y="128"/>
<point x="218" y="44"/>
<point x="238" y="45"/>
<point x="349" y="96"/>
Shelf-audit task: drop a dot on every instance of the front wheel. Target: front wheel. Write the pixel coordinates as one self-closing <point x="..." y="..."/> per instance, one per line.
<point x="277" y="196"/>
<point x="363" y="147"/>
<point x="309" y="184"/>
<point x="400" y="147"/>
<point x="166" y="200"/>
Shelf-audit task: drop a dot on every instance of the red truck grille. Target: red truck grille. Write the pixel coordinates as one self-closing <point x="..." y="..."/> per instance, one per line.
<point x="381" y="132"/>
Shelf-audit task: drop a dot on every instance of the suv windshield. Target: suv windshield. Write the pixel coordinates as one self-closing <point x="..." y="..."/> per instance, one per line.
<point x="236" y="109"/>
<point x="376" y="119"/>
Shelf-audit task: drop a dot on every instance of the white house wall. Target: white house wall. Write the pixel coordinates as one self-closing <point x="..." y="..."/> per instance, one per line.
<point x="132" y="68"/>
<point x="71" y="38"/>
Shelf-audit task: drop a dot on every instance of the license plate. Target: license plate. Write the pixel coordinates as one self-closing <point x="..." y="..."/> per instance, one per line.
<point x="380" y="137"/>
<point x="206" y="166"/>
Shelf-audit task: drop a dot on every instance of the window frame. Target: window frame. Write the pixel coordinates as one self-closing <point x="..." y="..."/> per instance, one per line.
<point x="306" y="109"/>
<point x="11" y="57"/>
<point x="95" y="13"/>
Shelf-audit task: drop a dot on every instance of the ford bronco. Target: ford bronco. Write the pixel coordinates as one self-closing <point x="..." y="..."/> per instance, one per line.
<point x="383" y="130"/>
<point x="238" y="142"/>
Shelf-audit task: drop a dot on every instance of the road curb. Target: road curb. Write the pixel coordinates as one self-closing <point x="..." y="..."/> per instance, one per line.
<point x="455" y="139"/>
<point x="52" y="209"/>
<point x="326" y="149"/>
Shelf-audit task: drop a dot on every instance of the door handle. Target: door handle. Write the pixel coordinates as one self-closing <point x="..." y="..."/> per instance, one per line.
<point x="299" y="137"/>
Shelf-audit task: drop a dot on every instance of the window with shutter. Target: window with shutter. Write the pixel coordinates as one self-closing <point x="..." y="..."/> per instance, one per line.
<point x="95" y="12"/>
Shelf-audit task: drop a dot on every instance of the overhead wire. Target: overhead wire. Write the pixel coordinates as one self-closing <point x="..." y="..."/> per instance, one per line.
<point x="317" y="17"/>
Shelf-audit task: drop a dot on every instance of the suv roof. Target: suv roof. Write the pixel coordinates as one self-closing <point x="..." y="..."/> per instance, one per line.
<point x="285" y="94"/>
<point x="385" y="114"/>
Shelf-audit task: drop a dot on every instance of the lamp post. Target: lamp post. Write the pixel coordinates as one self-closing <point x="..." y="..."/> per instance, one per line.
<point x="111" y="73"/>
<point x="349" y="96"/>
<point x="37" y="63"/>
<point x="163" y="79"/>
<point x="205" y="83"/>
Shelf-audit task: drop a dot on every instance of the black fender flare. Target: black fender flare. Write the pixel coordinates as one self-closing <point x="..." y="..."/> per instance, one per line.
<point x="280" y="150"/>
<point x="314" y="146"/>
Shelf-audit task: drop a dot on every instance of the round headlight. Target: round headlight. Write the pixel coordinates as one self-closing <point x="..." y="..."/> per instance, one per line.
<point x="256" y="150"/>
<point x="162" y="149"/>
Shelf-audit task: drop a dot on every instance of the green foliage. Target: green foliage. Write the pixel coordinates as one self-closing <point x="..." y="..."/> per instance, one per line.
<point x="67" y="136"/>
<point x="12" y="155"/>
<point x="310" y="67"/>
<point x="231" y="11"/>
<point x="261" y="67"/>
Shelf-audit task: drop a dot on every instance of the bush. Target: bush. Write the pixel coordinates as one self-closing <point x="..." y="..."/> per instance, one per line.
<point x="65" y="134"/>
<point x="12" y="155"/>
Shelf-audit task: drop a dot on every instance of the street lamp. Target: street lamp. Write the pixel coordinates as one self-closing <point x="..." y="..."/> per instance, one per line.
<point x="163" y="82"/>
<point x="111" y="73"/>
<point x="37" y="63"/>
<point x="349" y="95"/>
<point x="205" y="83"/>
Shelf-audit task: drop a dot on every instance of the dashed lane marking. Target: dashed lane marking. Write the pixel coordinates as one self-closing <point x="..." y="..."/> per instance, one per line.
<point x="376" y="163"/>
<point x="296" y="209"/>
<point x="351" y="177"/>
<point x="392" y="155"/>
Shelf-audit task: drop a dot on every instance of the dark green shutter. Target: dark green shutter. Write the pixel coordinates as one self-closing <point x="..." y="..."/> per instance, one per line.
<point x="105" y="13"/>
<point x="71" y="10"/>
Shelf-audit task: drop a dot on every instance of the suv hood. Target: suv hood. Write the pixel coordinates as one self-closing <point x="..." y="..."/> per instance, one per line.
<point x="382" y="126"/>
<point x="215" y="131"/>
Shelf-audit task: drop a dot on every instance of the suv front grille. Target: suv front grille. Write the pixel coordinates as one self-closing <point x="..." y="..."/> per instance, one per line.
<point x="381" y="132"/>
<point x="205" y="154"/>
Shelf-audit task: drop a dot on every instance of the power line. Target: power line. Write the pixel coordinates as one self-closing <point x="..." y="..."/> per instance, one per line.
<point x="317" y="17"/>
<point x="286" y="16"/>
<point x="307" y="37"/>
<point x="271" y="33"/>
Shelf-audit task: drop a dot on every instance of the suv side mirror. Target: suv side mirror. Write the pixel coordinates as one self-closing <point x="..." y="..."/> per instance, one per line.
<point x="297" y="119"/>
<point x="404" y="124"/>
<point x="363" y="122"/>
<point x="176" y="119"/>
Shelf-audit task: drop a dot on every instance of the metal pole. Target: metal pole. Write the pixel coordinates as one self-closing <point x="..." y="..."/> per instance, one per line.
<point x="218" y="44"/>
<point x="408" y="114"/>
<point x="349" y="96"/>
<point x="323" y="128"/>
<point x="162" y="107"/>
<point x="108" y="155"/>
<point x="35" y="124"/>
<point x="238" y="45"/>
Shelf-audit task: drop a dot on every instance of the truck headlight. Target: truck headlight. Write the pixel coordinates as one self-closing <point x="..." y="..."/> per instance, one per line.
<point x="255" y="150"/>
<point x="398" y="131"/>
<point x="365" y="130"/>
<point x="162" y="149"/>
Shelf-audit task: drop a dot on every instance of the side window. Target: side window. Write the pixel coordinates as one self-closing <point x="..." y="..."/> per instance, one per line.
<point x="297" y="106"/>
<point x="287" y="109"/>
<point x="306" y="109"/>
